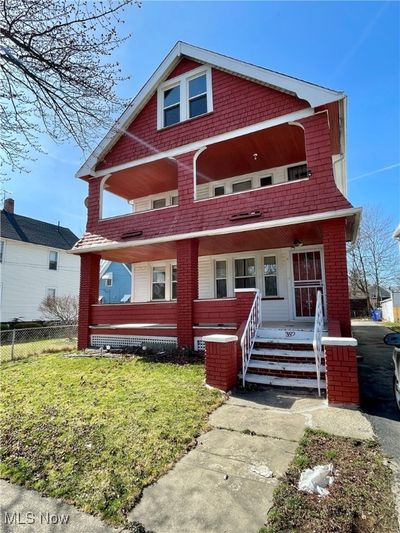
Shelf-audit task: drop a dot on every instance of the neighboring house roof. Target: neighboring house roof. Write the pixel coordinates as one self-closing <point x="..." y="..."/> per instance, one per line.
<point x="30" y="230"/>
<point x="316" y="95"/>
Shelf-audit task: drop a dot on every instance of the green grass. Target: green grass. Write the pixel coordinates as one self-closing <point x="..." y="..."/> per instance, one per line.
<point x="95" y="432"/>
<point x="395" y="326"/>
<point x="26" y="349"/>
<point x="360" y="498"/>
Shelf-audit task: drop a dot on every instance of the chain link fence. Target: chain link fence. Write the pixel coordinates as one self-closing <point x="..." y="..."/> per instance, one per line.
<point x="21" y="343"/>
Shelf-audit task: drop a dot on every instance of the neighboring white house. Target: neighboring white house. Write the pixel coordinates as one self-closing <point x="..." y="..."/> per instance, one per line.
<point x="34" y="264"/>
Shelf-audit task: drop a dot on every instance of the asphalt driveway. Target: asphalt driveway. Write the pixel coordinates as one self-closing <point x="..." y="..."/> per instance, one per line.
<point x="376" y="385"/>
<point x="375" y="371"/>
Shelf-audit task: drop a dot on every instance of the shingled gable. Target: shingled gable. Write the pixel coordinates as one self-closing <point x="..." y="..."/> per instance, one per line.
<point x="32" y="231"/>
<point x="315" y="95"/>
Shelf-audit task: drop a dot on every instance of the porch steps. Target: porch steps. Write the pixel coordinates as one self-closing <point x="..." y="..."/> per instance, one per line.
<point x="283" y="381"/>
<point x="283" y="366"/>
<point x="283" y="357"/>
<point x="285" y="354"/>
<point x="283" y="340"/>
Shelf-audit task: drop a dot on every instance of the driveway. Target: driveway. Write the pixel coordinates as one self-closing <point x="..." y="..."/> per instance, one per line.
<point x="376" y="388"/>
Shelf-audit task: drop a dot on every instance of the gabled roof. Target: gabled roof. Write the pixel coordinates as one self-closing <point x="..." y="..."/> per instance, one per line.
<point x="30" y="230"/>
<point x="315" y="95"/>
<point x="105" y="265"/>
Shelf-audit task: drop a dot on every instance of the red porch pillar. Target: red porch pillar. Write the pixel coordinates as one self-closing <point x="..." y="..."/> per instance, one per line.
<point x="337" y="289"/>
<point x="88" y="295"/>
<point x="187" y="255"/>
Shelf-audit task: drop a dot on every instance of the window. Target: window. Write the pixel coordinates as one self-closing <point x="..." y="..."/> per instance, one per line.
<point x="174" y="200"/>
<point x="51" y="293"/>
<point x="241" y="186"/>
<point x="245" y="273"/>
<point x="265" y="181"/>
<point x="220" y="279"/>
<point x="173" y="282"/>
<point x="109" y="282"/>
<point x="158" y="283"/>
<point x="219" y="191"/>
<point x="297" y="173"/>
<point x="161" y="202"/>
<point x="270" y="280"/>
<point x="198" y="96"/>
<point x="184" y="97"/>
<point x="53" y="260"/>
<point x="171" y="106"/>
<point x="1" y="251"/>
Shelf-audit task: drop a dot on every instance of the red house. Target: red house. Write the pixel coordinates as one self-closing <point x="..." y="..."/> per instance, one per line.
<point x="236" y="217"/>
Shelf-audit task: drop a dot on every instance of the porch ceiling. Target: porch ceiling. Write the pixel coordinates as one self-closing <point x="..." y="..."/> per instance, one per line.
<point x="281" y="145"/>
<point x="143" y="180"/>
<point x="263" y="239"/>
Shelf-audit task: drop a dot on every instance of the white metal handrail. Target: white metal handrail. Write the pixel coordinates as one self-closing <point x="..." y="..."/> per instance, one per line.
<point x="317" y="339"/>
<point x="250" y="332"/>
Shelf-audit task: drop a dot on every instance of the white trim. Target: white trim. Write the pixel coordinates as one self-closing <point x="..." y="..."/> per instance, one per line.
<point x="219" y="338"/>
<point x="182" y="82"/>
<point x="339" y="341"/>
<point x="314" y="94"/>
<point x="196" y="145"/>
<point x="222" y="231"/>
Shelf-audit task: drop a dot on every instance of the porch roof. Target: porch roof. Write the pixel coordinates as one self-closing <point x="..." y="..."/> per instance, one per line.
<point x="258" y="236"/>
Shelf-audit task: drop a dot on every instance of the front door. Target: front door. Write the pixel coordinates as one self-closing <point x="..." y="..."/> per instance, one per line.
<point x="307" y="280"/>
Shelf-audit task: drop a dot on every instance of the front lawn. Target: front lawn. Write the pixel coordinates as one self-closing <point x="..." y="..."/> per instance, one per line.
<point x="360" y="498"/>
<point x="43" y="346"/>
<point x="95" y="432"/>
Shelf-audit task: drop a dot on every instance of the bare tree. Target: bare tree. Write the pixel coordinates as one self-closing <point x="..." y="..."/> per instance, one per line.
<point x="374" y="258"/>
<point x="60" y="308"/>
<point x="55" y="76"/>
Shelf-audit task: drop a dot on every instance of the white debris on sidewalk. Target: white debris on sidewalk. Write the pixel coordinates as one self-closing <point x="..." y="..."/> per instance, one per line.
<point x="316" y="480"/>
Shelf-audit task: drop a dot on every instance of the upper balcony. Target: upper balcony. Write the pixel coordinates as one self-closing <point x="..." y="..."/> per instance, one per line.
<point x="251" y="162"/>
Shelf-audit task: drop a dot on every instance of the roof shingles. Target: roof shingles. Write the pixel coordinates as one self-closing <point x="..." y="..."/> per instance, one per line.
<point x="29" y="230"/>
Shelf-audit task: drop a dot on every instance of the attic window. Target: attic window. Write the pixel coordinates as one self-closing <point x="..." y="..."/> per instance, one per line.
<point x="184" y="97"/>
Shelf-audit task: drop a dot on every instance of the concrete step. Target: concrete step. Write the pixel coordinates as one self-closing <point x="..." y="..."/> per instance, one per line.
<point x="285" y="333"/>
<point x="277" y="340"/>
<point x="288" y="367"/>
<point x="283" y="382"/>
<point x="286" y="354"/>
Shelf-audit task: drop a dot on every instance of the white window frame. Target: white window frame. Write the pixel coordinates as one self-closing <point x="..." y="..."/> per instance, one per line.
<point x="51" y="289"/>
<point x="157" y="200"/>
<point x="245" y="180"/>
<point x="153" y="282"/>
<point x="172" y="282"/>
<point x="183" y="82"/>
<point x="217" y="279"/>
<point x="234" y="269"/>
<point x="265" y="295"/>
<point x="57" y="259"/>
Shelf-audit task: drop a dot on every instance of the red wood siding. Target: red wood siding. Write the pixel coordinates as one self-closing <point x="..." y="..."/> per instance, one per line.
<point x="316" y="195"/>
<point x="221" y="311"/>
<point x="237" y="102"/>
<point x="143" y="313"/>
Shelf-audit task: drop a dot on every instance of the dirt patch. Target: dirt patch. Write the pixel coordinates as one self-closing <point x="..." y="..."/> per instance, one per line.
<point x="360" y="499"/>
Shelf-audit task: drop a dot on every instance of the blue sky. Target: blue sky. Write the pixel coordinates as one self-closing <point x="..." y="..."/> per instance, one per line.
<point x="350" y="46"/>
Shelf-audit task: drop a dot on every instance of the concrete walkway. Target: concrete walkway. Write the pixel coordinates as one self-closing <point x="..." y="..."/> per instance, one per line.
<point x="26" y="511"/>
<point x="225" y="484"/>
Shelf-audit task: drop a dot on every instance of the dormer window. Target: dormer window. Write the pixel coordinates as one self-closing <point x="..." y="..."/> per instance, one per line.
<point x="184" y="97"/>
<point x="172" y="106"/>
